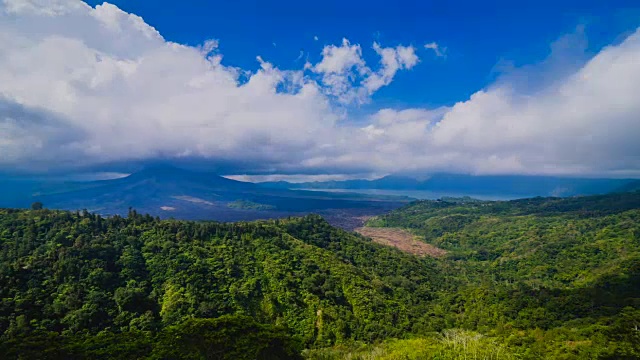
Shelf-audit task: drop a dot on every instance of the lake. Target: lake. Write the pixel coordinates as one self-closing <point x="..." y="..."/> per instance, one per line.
<point x="422" y="194"/>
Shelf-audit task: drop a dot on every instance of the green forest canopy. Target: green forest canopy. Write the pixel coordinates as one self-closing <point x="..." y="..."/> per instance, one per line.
<point x="535" y="278"/>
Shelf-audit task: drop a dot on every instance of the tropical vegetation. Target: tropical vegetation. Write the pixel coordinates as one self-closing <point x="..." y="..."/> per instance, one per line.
<point x="527" y="279"/>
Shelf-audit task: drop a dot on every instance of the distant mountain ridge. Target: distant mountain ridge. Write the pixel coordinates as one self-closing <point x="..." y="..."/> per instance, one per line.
<point x="630" y="186"/>
<point x="168" y="191"/>
<point x="513" y="185"/>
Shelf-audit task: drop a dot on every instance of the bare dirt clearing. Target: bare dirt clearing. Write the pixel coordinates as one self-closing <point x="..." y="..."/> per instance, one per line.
<point x="402" y="240"/>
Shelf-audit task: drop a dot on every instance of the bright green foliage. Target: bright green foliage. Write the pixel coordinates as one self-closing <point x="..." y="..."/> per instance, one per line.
<point x="450" y="345"/>
<point x="528" y="279"/>
<point x="556" y="278"/>
<point x="76" y="273"/>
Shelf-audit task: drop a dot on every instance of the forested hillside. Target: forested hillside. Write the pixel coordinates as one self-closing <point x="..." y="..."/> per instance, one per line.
<point x="531" y="279"/>
<point x="558" y="278"/>
<point x="77" y="273"/>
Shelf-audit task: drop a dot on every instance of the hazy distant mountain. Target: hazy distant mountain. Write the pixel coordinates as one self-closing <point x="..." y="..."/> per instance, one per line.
<point x="171" y="192"/>
<point x="507" y="185"/>
<point x="630" y="186"/>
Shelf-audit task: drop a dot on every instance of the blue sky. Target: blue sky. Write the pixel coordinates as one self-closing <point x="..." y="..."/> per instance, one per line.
<point x="478" y="35"/>
<point x="337" y="89"/>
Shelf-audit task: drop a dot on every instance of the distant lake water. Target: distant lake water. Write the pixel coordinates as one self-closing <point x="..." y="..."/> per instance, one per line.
<point x="422" y="194"/>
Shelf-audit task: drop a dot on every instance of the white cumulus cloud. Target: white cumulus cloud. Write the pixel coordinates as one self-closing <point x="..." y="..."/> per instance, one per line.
<point x="82" y="85"/>
<point x="346" y="76"/>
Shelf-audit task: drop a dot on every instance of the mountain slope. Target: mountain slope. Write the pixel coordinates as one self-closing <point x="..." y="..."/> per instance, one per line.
<point x="567" y="267"/>
<point x="80" y="272"/>
<point x="629" y="187"/>
<point x="171" y="192"/>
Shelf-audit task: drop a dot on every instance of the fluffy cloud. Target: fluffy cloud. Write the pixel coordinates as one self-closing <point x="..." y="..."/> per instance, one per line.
<point x="585" y="123"/>
<point x="300" y="178"/>
<point x="107" y="75"/>
<point x="347" y="78"/>
<point x="439" y="51"/>
<point x="84" y="86"/>
<point x="126" y="93"/>
<point x="393" y="59"/>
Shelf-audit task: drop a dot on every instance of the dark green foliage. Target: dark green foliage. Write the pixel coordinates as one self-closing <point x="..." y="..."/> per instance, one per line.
<point x="36" y="206"/>
<point x="228" y="337"/>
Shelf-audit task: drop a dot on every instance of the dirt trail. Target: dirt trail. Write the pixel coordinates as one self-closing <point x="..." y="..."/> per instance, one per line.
<point x="402" y="240"/>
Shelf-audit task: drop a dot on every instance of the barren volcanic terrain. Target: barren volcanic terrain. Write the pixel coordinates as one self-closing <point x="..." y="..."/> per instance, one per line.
<point x="402" y="240"/>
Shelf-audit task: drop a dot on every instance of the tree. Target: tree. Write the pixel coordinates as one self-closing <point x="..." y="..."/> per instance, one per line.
<point x="36" y="206"/>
